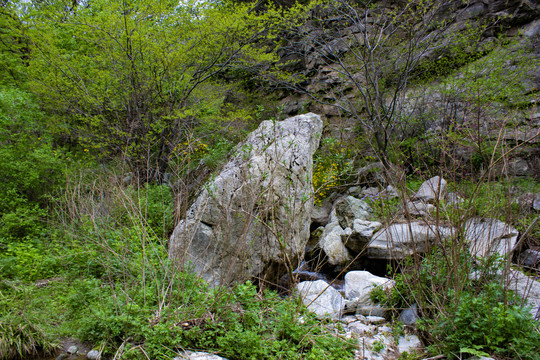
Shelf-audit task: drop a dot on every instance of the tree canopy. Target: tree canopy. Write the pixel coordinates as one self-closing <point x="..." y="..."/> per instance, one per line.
<point x="123" y="72"/>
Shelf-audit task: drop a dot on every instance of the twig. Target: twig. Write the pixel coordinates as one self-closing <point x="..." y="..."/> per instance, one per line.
<point x="436" y="357"/>
<point x="518" y="244"/>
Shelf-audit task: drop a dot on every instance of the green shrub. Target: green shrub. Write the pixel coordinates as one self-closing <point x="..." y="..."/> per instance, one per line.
<point x="461" y="314"/>
<point x="20" y="338"/>
<point x="331" y="167"/>
<point x="31" y="168"/>
<point x="23" y="332"/>
<point x="156" y="206"/>
<point x="240" y="324"/>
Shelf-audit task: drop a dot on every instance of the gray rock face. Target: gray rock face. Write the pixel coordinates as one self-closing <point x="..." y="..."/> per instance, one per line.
<point x="332" y="245"/>
<point x="419" y="208"/>
<point x="400" y="240"/>
<point x="350" y="208"/>
<point x="528" y="289"/>
<point x="519" y="167"/>
<point x="321" y="298"/>
<point x="346" y="230"/>
<point x="253" y="218"/>
<point x="489" y="236"/>
<point x="409" y="344"/>
<point x="321" y="213"/>
<point x="360" y="234"/>
<point x="530" y="258"/>
<point x="409" y="316"/>
<point x="432" y="190"/>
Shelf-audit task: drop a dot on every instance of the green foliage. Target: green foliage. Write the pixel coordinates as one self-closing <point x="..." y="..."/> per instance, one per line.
<point x="240" y="324"/>
<point x="14" y="47"/>
<point x="331" y="167"/>
<point x="499" y="76"/>
<point x="119" y="290"/>
<point x="127" y="73"/>
<point x="21" y="331"/>
<point x="156" y="206"/>
<point x="378" y="346"/>
<point x="20" y="338"/>
<point x="462" y="49"/>
<point x="462" y="313"/>
<point x="30" y="166"/>
<point x="383" y="207"/>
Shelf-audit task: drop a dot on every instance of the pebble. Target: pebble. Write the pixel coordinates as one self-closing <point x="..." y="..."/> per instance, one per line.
<point x="92" y="355"/>
<point x="375" y="319"/>
<point x="362" y="329"/>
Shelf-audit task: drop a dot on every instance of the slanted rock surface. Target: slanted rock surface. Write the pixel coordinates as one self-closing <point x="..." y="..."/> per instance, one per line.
<point x="350" y="208"/>
<point x="360" y="234"/>
<point x="401" y="240"/>
<point x="253" y="218"/>
<point x="527" y="288"/>
<point x="490" y="236"/>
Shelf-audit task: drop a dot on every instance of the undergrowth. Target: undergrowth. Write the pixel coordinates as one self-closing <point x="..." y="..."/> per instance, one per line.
<point x="113" y="286"/>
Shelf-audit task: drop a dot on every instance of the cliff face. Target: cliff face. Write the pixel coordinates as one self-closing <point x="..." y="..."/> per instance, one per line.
<point x="394" y="72"/>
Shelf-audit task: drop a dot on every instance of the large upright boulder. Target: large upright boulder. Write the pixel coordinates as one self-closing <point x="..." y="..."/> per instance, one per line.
<point x="253" y="218"/>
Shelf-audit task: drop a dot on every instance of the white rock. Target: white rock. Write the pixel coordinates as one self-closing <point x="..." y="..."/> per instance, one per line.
<point x="360" y="235"/>
<point x="332" y="245"/>
<point x="362" y="329"/>
<point x="321" y="298"/>
<point x="255" y="214"/>
<point x="350" y="208"/>
<point x="92" y="355"/>
<point x="419" y="208"/>
<point x="401" y="240"/>
<point x="489" y="236"/>
<point x="391" y="192"/>
<point x="371" y="310"/>
<point x="432" y="190"/>
<point x="375" y="319"/>
<point x="199" y="355"/>
<point x="384" y="329"/>
<point x="358" y="287"/>
<point x="359" y="284"/>
<point x="527" y="288"/>
<point x="409" y="343"/>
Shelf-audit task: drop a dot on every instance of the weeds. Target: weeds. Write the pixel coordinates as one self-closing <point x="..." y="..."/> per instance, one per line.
<point x="121" y="292"/>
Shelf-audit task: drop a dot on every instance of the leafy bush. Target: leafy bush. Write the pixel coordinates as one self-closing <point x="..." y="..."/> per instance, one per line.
<point x="155" y="203"/>
<point x="19" y="337"/>
<point x="461" y="313"/>
<point x="331" y="167"/>
<point x="241" y="324"/>
<point x="29" y="165"/>
<point x="21" y="332"/>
